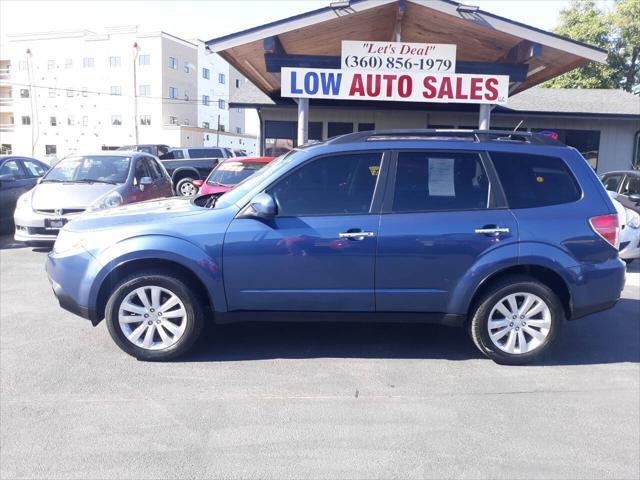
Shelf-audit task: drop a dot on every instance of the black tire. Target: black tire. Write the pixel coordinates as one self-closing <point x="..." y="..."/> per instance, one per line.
<point x="181" y="183"/>
<point x="478" y="325"/>
<point x="192" y="304"/>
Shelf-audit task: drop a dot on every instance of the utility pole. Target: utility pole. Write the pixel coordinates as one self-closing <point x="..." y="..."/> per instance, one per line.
<point x="31" y="100"/>
<point x="218" y="132"/>
<point x="135" y="90"/>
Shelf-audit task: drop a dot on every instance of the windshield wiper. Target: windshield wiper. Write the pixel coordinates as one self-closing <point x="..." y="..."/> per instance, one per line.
<point x="220" y="184"/>
<point x="52" y="180"/>
<point x="91" y="180"/>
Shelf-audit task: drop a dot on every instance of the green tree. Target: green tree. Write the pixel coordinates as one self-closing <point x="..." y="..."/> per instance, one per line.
<point x="618" y="32"/>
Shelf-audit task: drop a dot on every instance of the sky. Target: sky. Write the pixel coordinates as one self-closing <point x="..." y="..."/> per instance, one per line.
<point x="206" y="19"/>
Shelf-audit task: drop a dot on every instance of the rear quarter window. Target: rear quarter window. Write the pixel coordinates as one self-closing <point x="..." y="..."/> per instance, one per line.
<point x="205" y="153"/>
<point x="531" y="181"/>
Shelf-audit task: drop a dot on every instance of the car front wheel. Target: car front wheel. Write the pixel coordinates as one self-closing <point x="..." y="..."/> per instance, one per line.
<point x="516" y="320"/>
<point x="154" y="316"/>
<point x="186" y="188"/>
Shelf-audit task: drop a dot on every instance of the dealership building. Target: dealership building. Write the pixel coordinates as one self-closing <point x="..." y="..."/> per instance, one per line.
<point x="603" y="124"/>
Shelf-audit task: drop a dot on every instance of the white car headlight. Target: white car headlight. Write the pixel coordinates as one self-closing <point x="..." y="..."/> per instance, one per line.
<point x="24" y="201"/>
<point x="69" y="242"/>
<point x="109" y="200"/>
<point x="633" y="219"/>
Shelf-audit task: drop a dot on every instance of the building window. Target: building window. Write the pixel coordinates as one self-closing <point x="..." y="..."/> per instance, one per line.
<point x="69" y="93"/>
<point x="26" y="120"/>
<point x="70" y="120"/>
<point x="185" y="121"/>
<point x="24" y="93"/>
<point x="222" y="104"/>
<point x="116" y="90"/>
<point x="116" y="120"/>
<point x="173" y="120"/>
<point x="237" y="83"/>
<point x="5" y="149"/>
<point x="145" y="119"/>
<point x="50" y="149"/>
<point x="51" y="64"/>
<point x="52" y="93"/>
<point x="238" y="130"/>
<point x="68" y="63"/>
<point x="87" y="62"/>
<point x="115" y="62"/>
<point x="144" y="90"/>
<point x="221" y="78"/>
<point x="173" y="63"/>
<point x="186" y="67"/>
<point x="144" y="60"/>
<point x="205" y="124"/>
<point x="173" y="92"/>
<point x="85" y="121"/>
<point x="205" y="100"/>
<point x="222" y="127"/>
<point x="53" y="121"/>
<point x="22" y="66"/>
<point x="84" y="91"/>
<point x="205" y="73"/>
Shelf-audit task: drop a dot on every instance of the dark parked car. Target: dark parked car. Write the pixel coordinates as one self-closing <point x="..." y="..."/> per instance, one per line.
<point x="17" y="176"/>
<point x="626" y="183"/>
<point x="188" y="164"/>
<point x="508" y="235"/>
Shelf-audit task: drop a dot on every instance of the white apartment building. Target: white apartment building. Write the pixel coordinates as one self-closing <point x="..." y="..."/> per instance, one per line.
<point x="79" y="91"/>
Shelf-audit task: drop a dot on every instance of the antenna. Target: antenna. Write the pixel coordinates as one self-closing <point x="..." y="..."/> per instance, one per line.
<point x="519" y="125"/>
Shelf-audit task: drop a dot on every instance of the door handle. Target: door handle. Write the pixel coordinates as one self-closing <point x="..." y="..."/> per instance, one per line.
<point x="356" y="235"/>
<point x="494" y="231"/>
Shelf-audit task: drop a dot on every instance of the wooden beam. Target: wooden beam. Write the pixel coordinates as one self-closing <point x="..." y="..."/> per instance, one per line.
<point x="523" y="52"/>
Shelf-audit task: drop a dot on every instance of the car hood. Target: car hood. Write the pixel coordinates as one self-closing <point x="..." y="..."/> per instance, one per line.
<point x="207" y="189"/>
<point x="161" y="211"/>
<point x="67" y="195"/>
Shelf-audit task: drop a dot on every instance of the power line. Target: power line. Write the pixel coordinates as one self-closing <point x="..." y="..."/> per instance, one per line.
<point x="169" y="100"/>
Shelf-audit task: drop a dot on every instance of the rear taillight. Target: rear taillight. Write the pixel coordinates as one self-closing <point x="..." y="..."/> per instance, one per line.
<point x="607" y="227"/>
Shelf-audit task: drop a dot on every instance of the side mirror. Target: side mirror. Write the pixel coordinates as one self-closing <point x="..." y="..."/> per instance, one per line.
<point x="197" y="183"/>
<point x="7" y="178"/>
<point x="635" y="197"/>
<point x="262" y="206"/>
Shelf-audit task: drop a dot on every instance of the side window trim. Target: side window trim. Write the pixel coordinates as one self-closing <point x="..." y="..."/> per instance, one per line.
<point x="496" y="199"/>
<point x="377" y="196"/>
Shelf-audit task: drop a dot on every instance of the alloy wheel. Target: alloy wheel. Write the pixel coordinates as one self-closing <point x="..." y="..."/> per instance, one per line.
<point x="152" y="317"/>
<point x="187" y="189"/>
<point x="519" y="323"/>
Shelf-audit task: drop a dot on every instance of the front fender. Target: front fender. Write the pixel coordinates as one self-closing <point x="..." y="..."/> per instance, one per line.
<point x="206" y="266"/>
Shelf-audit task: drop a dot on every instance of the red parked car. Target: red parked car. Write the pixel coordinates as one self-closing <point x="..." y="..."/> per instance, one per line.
<point x="229" y="173"/>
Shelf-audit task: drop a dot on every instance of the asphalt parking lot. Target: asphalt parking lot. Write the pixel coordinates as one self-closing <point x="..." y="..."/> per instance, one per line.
<point x="310" y="401"/>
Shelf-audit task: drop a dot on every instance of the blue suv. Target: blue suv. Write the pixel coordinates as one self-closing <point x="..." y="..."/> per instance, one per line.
<point x="506" y="234"/>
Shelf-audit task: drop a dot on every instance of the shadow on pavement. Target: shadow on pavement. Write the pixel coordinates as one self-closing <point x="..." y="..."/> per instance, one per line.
<point x="8" y="243"/>
<point x="608" y="337"/>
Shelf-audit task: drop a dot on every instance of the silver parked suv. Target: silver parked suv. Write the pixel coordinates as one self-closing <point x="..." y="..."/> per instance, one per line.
<point x="87" y="183"/>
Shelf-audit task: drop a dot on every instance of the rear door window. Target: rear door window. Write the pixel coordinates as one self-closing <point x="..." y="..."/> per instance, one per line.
<point x="205" y="153"/>
<point x="531" y="181"/>
<point x="436" y="181"/>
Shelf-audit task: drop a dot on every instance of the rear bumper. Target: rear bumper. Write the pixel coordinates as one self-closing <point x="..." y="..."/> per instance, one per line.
<point x="596" y="287"/>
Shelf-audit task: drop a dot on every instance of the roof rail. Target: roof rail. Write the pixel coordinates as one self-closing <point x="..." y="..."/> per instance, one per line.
<point x="447" y="134"/>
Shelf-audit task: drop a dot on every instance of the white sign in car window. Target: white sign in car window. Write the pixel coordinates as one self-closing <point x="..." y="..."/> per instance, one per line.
<point x="422" y="57"/>
<point x="441" y="182"/>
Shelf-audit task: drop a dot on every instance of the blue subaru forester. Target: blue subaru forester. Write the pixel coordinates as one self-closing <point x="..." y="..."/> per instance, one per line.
<point x="507" y="234"/>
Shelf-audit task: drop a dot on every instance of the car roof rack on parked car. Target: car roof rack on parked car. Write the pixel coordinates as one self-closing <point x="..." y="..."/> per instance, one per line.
<point x="449" y="134"/>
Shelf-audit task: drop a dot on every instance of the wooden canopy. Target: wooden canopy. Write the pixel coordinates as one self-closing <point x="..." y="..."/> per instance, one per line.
<point x="486" y="43"/>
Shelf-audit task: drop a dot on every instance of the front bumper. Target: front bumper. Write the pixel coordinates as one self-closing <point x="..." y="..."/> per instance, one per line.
<point x="30" y="225"/>
<point x="71" y="280"/>
<point x="629" y="243"/>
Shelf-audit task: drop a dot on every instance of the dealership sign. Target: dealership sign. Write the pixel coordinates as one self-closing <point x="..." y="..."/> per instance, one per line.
<point x="380" y="56"/>
<point x="402" y="86"/>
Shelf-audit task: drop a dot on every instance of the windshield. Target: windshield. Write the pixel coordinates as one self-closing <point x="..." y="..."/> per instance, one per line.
<point x="232" y="173"/>
<point x="86" y="169"/>
<point x="232" y="196"/>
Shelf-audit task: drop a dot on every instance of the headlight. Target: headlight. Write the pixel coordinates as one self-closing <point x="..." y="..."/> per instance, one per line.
<point x="24" y="201"/>
<point x="68" y="242"/>
<point x="110" y="200"/>
<point x="633" y="219"/>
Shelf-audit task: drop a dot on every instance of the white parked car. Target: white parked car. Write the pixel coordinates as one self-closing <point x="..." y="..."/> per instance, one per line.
<point x="629" y="230"/>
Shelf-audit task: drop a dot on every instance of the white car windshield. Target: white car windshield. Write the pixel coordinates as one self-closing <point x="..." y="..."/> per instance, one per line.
<point x="90" y="169"/>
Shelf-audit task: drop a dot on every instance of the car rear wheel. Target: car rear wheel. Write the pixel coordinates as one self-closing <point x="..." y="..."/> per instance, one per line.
<point x="154" y="316"/>
<point x="186" y="188"/>
<point x="516" y="320"/>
